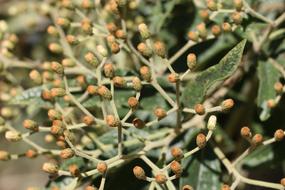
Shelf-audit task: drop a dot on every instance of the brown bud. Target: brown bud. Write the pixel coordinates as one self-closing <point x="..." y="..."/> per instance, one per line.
<point x="191" y="61"/>
<point x="227" y="27"/>
<point x="115" y="47"/>
<point x="57" y="67"/>
<point x="144" y="49"/>
<point x="160" y="178"/>
<point x="176" y="168"/>
<point x="91" y="59"/>
<point x="137" y="84"/>
<point x="111" y="39"/>
<point x="57" y="129"/>
<point x="57" y="92"/>
<point x="160" y="113"/>
<point x="4" y="155"/>
<point x="88" y="120"/>
<point x="245" y="132"/>
<point x="86" y="26"/>
<point x="279" y="135"/>
<point x="120" y="34"/>
<point x="102" y="167"/>
<point x="66" y="153"/>
<point x="50" y="168"/>
<point x="257" y="139"/>
<point x="35" y="76"/>
<point x="173" y="77"/>
<point x="138" y="123"/>
<point x="139" y="172"/>
<point x="31" y="153"/>
<point x="278" y="87"/>
<point x="145" y="73"/>
<point x="227" y="104"/>
<point x="201" y="140"/>
<point x="133" y="102"/>
<point x="199" y="109"/>
<point x="237" y="17"/>
<point x="187" y="187"/>
<point x="112" y="121"/>
<point x="53" y="114"/>
<point x="216" y="30"/>
<point x="74" y="170"/>
<point x="109" y="70"/>
<point x="159" y="49"/>
<point x="193" y="36"/>
<point x="104" y="92"/>
<point x="92" y="90"/>
<point x="119" y="81"/>
<point x="177" y="153"/>
<point x="31" y="125"/>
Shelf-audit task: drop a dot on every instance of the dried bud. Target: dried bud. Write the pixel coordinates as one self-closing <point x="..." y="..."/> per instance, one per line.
<point x="137" y="85"/>
<point x="201" y="140"/>
<point x="225" y="187"/>
<point x="237" y="17"/>
<point x="31" y="153"/>
<point x="88" y="120"/>
<point x="271" y="103"/>
<point x="63" y="22"/>
<point x="133" y="102"/>
<point x="109" y="70"/>
<point x="145" y="73"/>
<point x="74" y="170"/>
<point x="57" y="92"/>
<point x="160" y="178"/>
<point x="204" y="14"/>
<point x="54" y="115"/>
<point x="212" y="122"/>
<point x="4" y="155"/>
<point x="278" y="87"/>
<point x="104" y="92"/>
<point x="159" y="49"/>
<point x="91" y="59"/>
<point x="238" y="4"/>
<point x="31" y="125"/>
<point x="66" y="153"/>
<point x="119" y="81"/>
<point x="245" y="132"/>
<point x="202" y="31"/>
<point x="216" y="30"/>
<point x="92" y="90"/>
<point x="177" y="153"/>
<point x="102" y="51"/>
<point x="199" y="109"/>
<point x="120" y="34"/>
<point x="144" y="49"/>
<point x="102" y="167"/>
<point x="257" y="139"/>
<point x="36" y="76"/>
<point x="191" y="61"/>
<point x="160" y="113"/>
<point x="68" y="62"/>
<point x="138" y="123"/>
<point x="50" y="168"/>
<point x="144" y="31"/>
<point x="227" y="104"/>
<point x="112" y="121"/>
<point x="176" y="168"/>
<point x="57" y="67"/>
<point x="212" y="5"/>
<point x="187" y="187"/>
<point x="139" y="172"/>
<point x="71" y="39"/>
<point x="227" y="27"/>
<point x="193" y="36"/>
<point x="173" y="77"/>
<point x="13" y="136"/>
<point x="279" y="135"/>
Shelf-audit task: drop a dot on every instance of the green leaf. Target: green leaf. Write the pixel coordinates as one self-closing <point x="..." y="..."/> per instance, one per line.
<point x="197" y="88"/>
<point x="267" y="76"/>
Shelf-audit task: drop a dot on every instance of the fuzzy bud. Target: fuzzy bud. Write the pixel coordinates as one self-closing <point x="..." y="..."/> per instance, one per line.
<point x="212" y="122"/>
<point x="212" y="5"/>
<point x="104" y="92"/>
<point x="199" y="109"/>
<point x="139" y="172"/>
<point x="201" y="140"/>
<point x="279" y="135"/>
<point x="144" y="49"/>
<point x="159" y="49"/>
<point x="138" y="123"/>
<point x="133" y="102"/>
<point x="193" y="36"/>
<point x="177" y="153"/>
<point x="237" y="17"/>
<point x="102" y="167"/>
<point x="115" y="47"/>
<point x="46" y="95"/>
<point x="31" y="125"/>
<point x="173" y="77"/>
<point x="191" y="61"/>
<point x="176" y="168"/>
<point x="257" y="139"/>
<point x="88" y="120"/>
<point x="160" y="178"/>
<point x="50" y="168"/>
<point x="66" y="153"/>
<point x="119" y="81"/>
<point x="36" y="76"/>
<point x="86" y="26"/>
<point x="109" y="70"/>
<point x="144" y="31"/>
<point x="112" y="121"/>
<point x="160" y="113"/>
<point x="4" y="155"/>
<point x="54" y="115"/>
<point x="227" y="104"/>
<point x="13" y="136"/>
<point x="216" y="30"/>
<point x="137" y="85"/>
<point x="245" y="132"/>
<point x="226" y="27"/>
<point x="145" y="73"/>
<point x="91" y="59"/>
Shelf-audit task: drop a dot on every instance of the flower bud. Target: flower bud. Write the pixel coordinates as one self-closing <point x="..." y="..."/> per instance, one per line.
<point x="4" y="155"/>
<point x="86" y="26"/>
<point x="212" y="122"/>
<point x="68" y="62"/>
<point x="191" y="61"/>
<point x="63" y="22"/>
<point x="278" y="87"/>
<point x="48" y="76"/>
<point x="257" y="139"/>
<point x="115" y="47"/>
<point x="159" y="49"/>
<point x="50" y="168"/>
<point x="104" y="92"/>
<point x="139" y="172"/>
<point x="57" y="129"/>
<point x="55" y="48"/>
<point x="279" y="135"/>
<point x="173" y="77"/>
<point x="199" y="109"/>
<point x="36" y="76"/>
<point x="57" y="92"/>
<point x="66" y="153"/>
<point x="46" y="95"/>
<point x="31" y="125"/>
<point x="102" y="167"/>
<point x="202" y="31"/>
<point x="74" y="170"/>
<point x="160" y="113"/>
<point x="61" y="143"/>
<point x="245" y="132"/>
<point x="227" y="104"/>
<point x="119" y="81"/>
<point x="112" y="27"/>
<point x="204" y="14"/>
<point x="177" y="153"/>
<point x="238" y="5"/>
<point x="138" y="123"/>
<point x="49" y="138"/>
<point x="120" y="34"/>
<point x="176" y="168"/>
<point x="237" y="18"/>
<point x="71" y="39"/>
<point x="144" y="49"/>
<point x="112" y="121"/>
<point x="67" y="4"/>
<point x="225" y="187"/>
<point x="91" y="59"/>
<point x="201" y="140"/>
<point x="88" y="120"/>
<point x="271" y="103"/>
<point x="102" y="51"/>
<point x="193" y="36"/>
<point x="13" y="136"/>
<point x="216" y="30"/>
<point x="54" y="115"/>
<point x="160" y="178"/>
<point x="133" y="102"/>
<point x="57" y="67"/>
<point x="212" y="5"/>
<point x="31" y="153"/>
<point x="137" y="85"/>
<point x="144" y="31"/>
<point x="108" y="70"/>
<point x="187" y="187"/>
<point x="145" y="73"/>
<point x="92" y="90"/>
<point x="87" y="4"/>
<point x="227" y="27"/>
<point x="282" y="182"/>
<point x="7" y="112"/>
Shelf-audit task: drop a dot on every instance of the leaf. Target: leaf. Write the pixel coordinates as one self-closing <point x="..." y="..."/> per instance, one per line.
<point x="197" y="88"/>
<point x="267" y="76"/>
